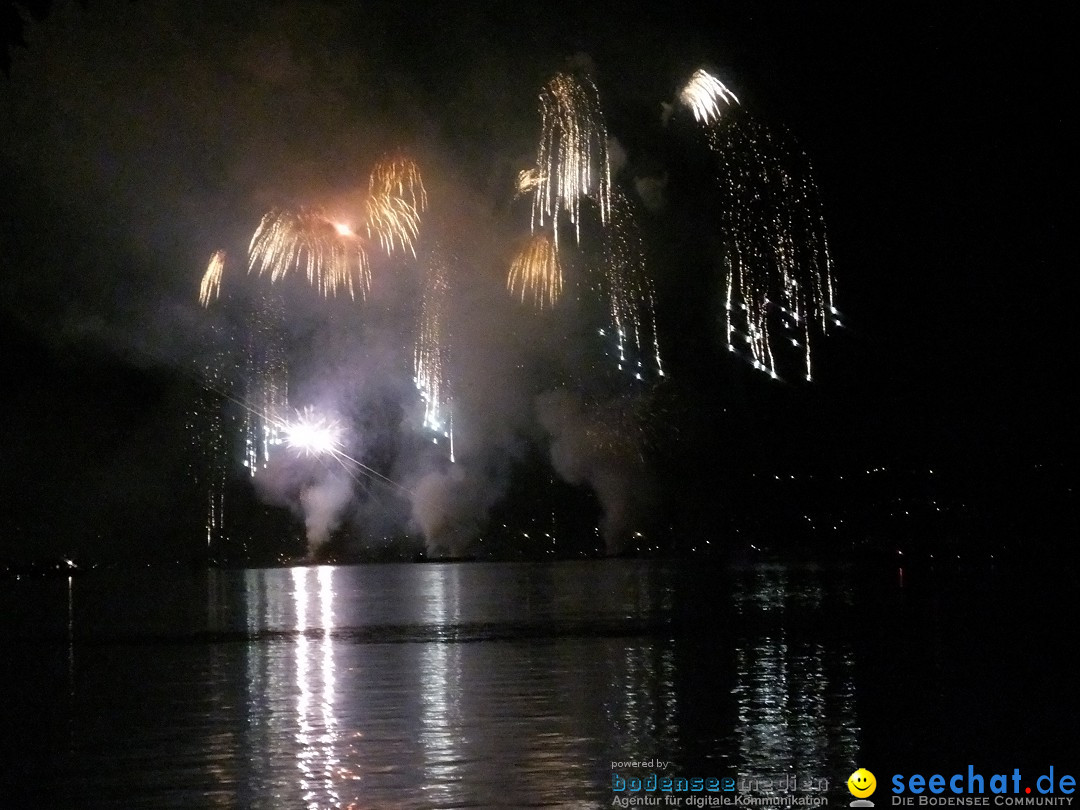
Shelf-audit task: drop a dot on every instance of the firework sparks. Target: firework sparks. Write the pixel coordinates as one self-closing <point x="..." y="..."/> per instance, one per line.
<point x="210" y="286"/>
<point x="704" y="94"/>
<point x="330" y="253"/>
<point x="396" y="199"/>
<point x="528" y="181"/>
<point x="432" y="349"/>
<point x="313" y="435"/>
<point x="399" y="176"/>
<point x="628" y="290"/>
<point x="264" y="370"/>
<point x="393" y="221"/>
<point x="572" y="160"/>
<point x="308" y="434"/>
<point x="536" y="272"/>
<point x="778" y="271"/>
<point x="777" y="267"/>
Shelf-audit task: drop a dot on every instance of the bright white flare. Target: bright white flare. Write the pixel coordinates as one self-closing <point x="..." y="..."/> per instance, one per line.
<point x="704" y="94"/>
<point x="313" y="435"/>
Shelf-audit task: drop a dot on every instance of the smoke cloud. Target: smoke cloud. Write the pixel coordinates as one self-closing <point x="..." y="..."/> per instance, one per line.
<point x="593" y="446"/>
<point x="450" y="508"/>
<point x="323" y="504"/>
<point x="652" y="191"/>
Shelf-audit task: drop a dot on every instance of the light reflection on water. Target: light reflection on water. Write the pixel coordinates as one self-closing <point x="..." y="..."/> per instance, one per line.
<point x="448" y="685"/>
<point x="792" y="716"/>
<point x="316" y="732"/>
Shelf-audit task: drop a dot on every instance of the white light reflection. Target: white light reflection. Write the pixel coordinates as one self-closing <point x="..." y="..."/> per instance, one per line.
<point x="269" y="670"/>
<point x="643" y="710"/>
<point x="441" y="720"/>
<point x="645" y="717"/>
<point x="795" y="697"/>
<point x="316" y="723"/>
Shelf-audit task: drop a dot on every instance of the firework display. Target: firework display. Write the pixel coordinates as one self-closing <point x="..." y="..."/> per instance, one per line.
<point x="775" y="268"/>
<point x="313" y="435"/>
<point x="573" y="164"/>
<point x="327" y="252"/>
<point x="536" y="273"/>
<point x="399" y="176"/>
<point x="778" y="281"/>
<point x="572" y="159"/>
<point x="210" y="286"/>
<point x="431" y="350"/>
<point x="265" y="386"/>
<point x="628" y="291"/>
<point x="392" y="221"/>
<point x="706" y="96"/>
<point x="206" y="426"/>
<point x="528" y="181"/>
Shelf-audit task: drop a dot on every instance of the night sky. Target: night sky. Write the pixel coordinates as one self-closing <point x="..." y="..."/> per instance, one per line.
<point x="138" y="137"/>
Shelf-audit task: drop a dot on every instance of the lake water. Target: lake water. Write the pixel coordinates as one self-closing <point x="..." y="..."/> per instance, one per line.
<point x="520" y="685"/>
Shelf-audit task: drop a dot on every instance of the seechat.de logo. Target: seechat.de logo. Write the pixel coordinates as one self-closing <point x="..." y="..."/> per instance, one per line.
<point x="862" y="785"/>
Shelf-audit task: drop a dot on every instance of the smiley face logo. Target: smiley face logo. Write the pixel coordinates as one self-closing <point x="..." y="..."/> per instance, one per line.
<point x="861" y="783"/>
